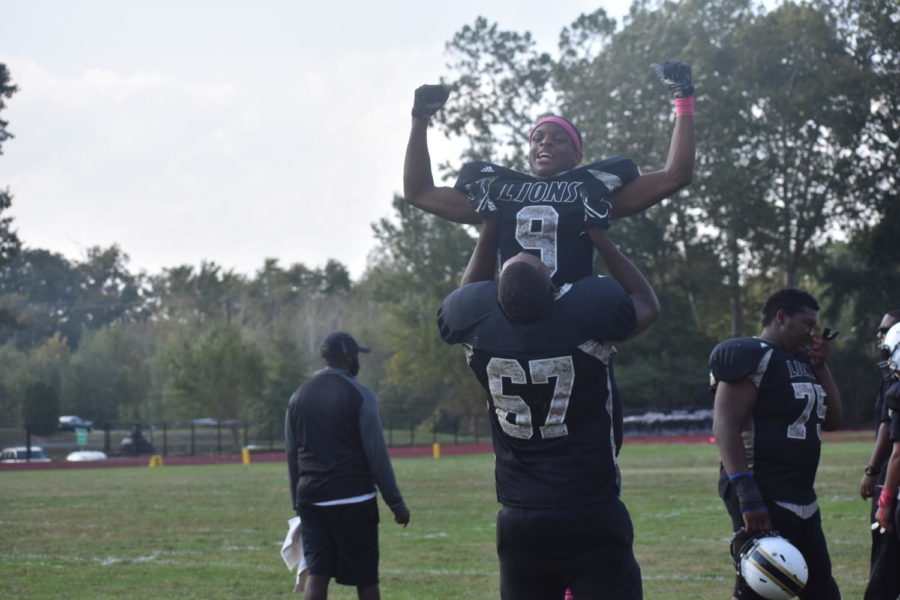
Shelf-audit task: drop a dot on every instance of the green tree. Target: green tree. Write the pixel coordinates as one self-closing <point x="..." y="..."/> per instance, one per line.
<point x="217" y="375"/>
<point x="48" y="361"/>
<point x="499" y="90"/>
<point x="9" y="241"/>
<point x="865" y="275"/>
<point x="284" y="371"/>
<point x="107" y="379"/>
<point x="185" y="296"/>
<point x="41" y="408"/>
<point x="109" y="293"/>
<point x="13" y="377"/>
<point x="50" y="294"/>
<point x="420" y="259"/>
<point x="810" y="103"/>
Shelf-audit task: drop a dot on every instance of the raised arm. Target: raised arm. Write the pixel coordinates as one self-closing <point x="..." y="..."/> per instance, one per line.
<point x="834" y="409"/>
<point x="646" y="304"/>
<point x="418" y="182"/>
<point x="647" y="190"/>
<point x="483" y="262"/>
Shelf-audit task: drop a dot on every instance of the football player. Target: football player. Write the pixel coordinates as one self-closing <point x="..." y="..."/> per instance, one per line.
<point x="773" y="394"/>
<point x="885" y="584"/>
<point x="885" y="555"/>
<point x="547" y="211"/>
<point x="541" y="354"/>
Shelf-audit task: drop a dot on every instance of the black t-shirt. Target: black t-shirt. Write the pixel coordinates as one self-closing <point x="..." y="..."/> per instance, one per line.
<point x="334" y="442"/>
<point x="782" y="438"/>
<point x="892" y="403"/>
<point x="548" y="388"/>
<point x="545" y="216"/>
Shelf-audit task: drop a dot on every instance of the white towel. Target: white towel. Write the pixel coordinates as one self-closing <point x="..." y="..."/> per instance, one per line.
<point x="292" y="553"/>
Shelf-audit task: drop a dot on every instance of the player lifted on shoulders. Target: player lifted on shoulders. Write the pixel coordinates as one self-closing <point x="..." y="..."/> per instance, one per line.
<point x="551" y="211"/>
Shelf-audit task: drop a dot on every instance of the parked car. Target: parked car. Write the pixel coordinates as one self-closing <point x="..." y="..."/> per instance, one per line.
<point x="71" y="423"/>
<point x="86" y="455"/>
<point x="19" y="454"/>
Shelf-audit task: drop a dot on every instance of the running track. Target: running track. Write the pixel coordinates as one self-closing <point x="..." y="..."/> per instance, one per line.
<point x="396" y="452"/>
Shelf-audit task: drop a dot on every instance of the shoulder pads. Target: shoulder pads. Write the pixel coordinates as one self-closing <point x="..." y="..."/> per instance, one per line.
<point x="614" y="172"/>
<point x="737" y="358"/>
<point x="464" y="308"/>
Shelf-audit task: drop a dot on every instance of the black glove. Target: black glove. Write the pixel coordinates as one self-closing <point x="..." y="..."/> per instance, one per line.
<point x="428" y="100"/>
<point x="677" y="77"/>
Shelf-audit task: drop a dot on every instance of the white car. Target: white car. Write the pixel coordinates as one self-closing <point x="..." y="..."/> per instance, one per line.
<point x="86" y="455"/>
<point x="19" y="454"/>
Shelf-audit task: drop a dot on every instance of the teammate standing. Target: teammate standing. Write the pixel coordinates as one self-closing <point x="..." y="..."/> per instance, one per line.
<point x="546" y="212"/>
<point x="336" y="455"/>
<point x="542" y="357"/>
<point x="773" y="393"/>
<point x="884" y="582"/>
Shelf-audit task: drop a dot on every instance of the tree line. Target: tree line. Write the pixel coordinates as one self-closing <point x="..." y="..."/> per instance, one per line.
<point x="797" y="130"/>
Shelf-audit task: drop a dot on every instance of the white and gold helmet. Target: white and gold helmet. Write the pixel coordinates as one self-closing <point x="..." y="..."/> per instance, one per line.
<point x="773" y="567"/>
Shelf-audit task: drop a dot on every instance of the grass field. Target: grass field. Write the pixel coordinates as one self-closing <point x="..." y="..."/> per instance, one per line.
<point x="215" y="531"/>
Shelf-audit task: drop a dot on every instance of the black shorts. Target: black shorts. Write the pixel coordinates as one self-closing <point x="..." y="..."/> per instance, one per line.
<point x="587" y="549"/>
<point x="341" y="541"/>
<point x="806" y="535"/>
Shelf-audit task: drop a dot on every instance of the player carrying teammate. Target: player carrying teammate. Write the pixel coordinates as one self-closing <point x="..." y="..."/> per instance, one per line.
<point x="543" y="359"/>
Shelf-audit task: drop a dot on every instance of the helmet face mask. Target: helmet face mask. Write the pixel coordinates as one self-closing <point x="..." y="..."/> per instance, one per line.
<point x="890" y="348"/>
<point x="772" y="566"/>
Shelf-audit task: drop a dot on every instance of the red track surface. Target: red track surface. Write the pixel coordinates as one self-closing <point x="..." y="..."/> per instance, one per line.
<point x="396" y="452"/>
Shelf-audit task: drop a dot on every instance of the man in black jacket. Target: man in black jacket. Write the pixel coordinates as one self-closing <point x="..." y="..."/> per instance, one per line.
<point x="336" y="456"/>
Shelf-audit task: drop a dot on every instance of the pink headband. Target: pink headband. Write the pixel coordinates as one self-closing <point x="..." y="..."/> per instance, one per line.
<point x="576" y="141"/>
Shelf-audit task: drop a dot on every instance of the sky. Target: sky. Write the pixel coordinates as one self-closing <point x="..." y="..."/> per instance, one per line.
<point x="196" y="130"/>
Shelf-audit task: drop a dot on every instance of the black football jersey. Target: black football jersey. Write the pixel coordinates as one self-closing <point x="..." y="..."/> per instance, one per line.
<point x="782" y="437"/>
<point x="545" y="216"/>
<point x="892" y="404"/>
<point x="548" y="388"/>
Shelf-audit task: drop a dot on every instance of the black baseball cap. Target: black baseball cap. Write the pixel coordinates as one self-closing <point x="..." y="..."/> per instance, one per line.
<point x="339" y="343"/>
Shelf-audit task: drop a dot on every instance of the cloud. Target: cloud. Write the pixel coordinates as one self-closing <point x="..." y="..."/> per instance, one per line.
<point x="177" y="171"/>
<point x="239" y="135"/>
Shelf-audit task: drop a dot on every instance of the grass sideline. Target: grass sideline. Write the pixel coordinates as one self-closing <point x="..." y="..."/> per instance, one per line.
<point x="215" y="531"/>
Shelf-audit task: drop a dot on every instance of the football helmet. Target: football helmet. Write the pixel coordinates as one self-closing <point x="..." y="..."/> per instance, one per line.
<point x="771" y="566"/>
<point x="890" y="348"/>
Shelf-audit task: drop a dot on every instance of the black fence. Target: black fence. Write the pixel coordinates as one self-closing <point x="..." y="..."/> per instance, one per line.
<point x="211" y="436"/>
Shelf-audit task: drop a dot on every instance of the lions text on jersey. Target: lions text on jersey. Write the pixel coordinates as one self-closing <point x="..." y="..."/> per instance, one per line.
<point x="546" y="216"/>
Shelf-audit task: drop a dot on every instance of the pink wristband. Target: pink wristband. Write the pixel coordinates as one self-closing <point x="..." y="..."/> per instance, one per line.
<point x="684" y="106"/>
<point x="886" y="499"/>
